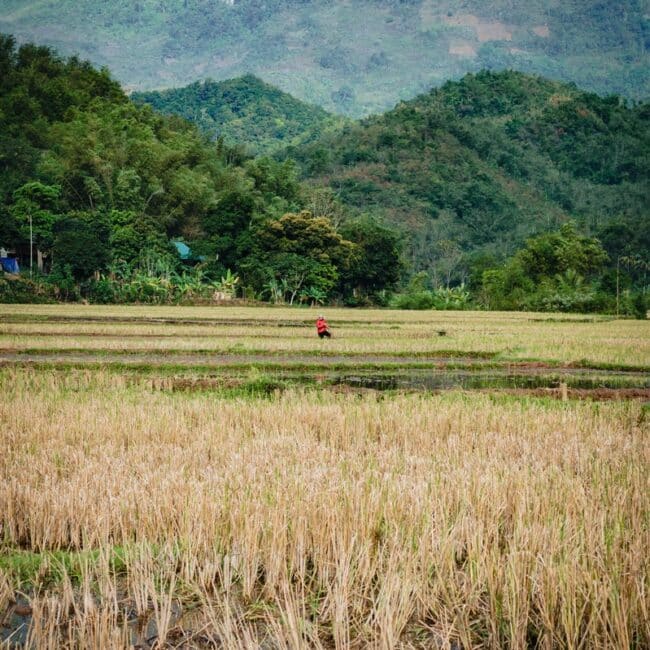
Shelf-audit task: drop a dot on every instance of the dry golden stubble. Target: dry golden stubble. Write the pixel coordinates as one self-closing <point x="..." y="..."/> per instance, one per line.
<point x="549" y="337"/>
<point x="341" y="520"/>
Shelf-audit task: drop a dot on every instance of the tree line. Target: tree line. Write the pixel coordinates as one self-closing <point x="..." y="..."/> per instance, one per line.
<point x="104" y="190"/>
<point x="101" y="188"/>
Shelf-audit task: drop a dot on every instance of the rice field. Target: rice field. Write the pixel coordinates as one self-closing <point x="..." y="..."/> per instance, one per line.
<point x="554" y="338"/>
<point x="311" y="514"/>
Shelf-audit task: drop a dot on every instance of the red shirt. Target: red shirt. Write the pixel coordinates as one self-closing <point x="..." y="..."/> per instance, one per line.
<point x="321" y="325"/>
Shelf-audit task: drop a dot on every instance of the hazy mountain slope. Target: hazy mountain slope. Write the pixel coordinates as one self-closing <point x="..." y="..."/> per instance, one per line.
<point x="244" y="111"/>
<point x="482" y="163"/>
<point x="351" y="57"/>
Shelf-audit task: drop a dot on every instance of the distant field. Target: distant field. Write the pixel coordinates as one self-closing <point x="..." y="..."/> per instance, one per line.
<point x="552" y="338"/>
<point x="219" y="477"/>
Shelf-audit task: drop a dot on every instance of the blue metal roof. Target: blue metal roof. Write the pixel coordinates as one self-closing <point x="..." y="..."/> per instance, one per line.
<point x="184" y="251"/>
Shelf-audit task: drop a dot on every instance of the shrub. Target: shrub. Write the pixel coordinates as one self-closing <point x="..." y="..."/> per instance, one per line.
<point x="102" y="291"/>
<point x="16" y="289"/>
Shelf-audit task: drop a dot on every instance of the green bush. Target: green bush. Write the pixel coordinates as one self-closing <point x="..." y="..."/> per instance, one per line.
<point x="64" y="285"/>
<point x="16" y="289"/>
<point x="102" y="291"/>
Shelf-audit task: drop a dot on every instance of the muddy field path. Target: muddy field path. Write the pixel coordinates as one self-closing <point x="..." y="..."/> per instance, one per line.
<point x="220" y="359"/>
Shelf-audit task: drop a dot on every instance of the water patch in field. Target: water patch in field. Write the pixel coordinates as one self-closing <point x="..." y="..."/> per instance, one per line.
<point x="417" y="380"/>
<point x="569" y="383"/>
<point x="14" y="623"/>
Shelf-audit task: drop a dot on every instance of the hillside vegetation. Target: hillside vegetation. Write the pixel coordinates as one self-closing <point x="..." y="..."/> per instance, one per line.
<point x="244" y="111"/>
<point x="349" y="57"/>
<point x="102" y="186"/>
<point x="473" y="168"/>
<point x="125" y="179"/>
<point x="501" y="190"/>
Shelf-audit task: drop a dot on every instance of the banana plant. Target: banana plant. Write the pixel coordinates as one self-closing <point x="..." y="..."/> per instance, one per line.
<point x="275" y="291"/>
<point x="314" y="295"/>
<point x="228" y="283"/>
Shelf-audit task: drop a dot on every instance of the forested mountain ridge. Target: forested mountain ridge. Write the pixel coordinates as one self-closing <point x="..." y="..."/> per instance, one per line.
<point x="499" y="181"/>
<point x="244" y="111"/>
<point x="349" y="57"/>
<point x="480" y="164"/>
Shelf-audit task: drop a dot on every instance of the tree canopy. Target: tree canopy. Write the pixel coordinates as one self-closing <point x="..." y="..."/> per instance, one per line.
<point x="244" y="111"/>
<point x="498" y="190"/>
<point x="103" y="185"/>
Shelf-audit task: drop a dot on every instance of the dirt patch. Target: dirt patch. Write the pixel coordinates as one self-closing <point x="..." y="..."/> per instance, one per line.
<point x="485" y="30"/>
<point x="556" y="100"/>
<point x="462" y="49"/>
<point x="542" y="30"/>
<point x="492" y="32"/>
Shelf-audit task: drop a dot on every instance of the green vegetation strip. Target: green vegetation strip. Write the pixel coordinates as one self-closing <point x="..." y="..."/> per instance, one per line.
<point x="50" y="567"/>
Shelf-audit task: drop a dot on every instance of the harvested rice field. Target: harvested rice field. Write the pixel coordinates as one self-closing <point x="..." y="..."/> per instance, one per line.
<point x="221" y="478"/>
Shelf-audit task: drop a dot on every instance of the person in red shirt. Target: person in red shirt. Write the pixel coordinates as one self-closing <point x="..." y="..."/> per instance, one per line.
<point x="323" y="328"/>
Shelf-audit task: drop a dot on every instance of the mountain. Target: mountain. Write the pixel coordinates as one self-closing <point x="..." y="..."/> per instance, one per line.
<point x="355" y="57"/>
<point x="243" y="111"/>
<point x="466" y="172"/>
<point x="478" y="165"/>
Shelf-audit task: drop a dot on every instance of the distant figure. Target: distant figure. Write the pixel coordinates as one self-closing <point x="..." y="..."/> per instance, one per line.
<point x="323" y="328"/>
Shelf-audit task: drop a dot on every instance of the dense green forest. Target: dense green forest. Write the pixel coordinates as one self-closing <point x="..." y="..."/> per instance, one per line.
<point x="471" y="170"/>
<point x="501" y="190"/>
<point x="244" y="111"/>
<point x="105" y="186"/>
<point x="355" y="57"/>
